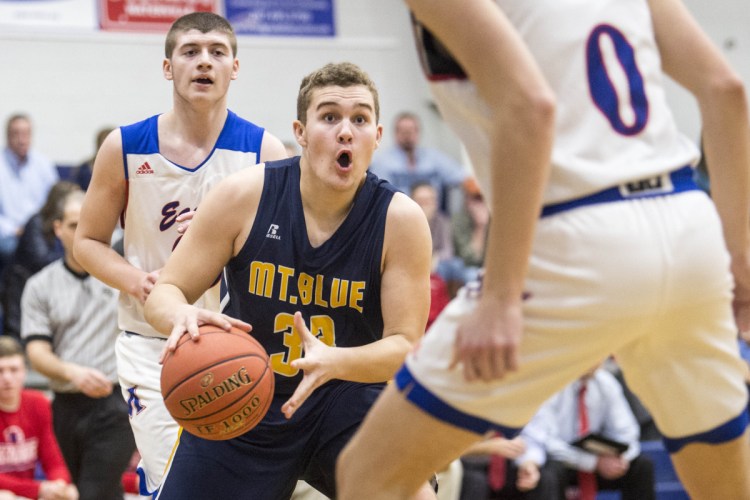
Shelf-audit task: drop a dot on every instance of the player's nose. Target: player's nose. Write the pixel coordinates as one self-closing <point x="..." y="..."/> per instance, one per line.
<point x="345" y="132"/>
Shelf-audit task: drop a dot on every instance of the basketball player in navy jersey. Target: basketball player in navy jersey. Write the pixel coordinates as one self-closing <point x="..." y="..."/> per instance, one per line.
<point x="628" y="257"/>
<point x="329" y="266"/>
<point x="154" y="174"/>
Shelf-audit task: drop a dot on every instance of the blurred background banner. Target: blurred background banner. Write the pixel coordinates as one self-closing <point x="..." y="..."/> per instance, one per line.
<point x="312" y="18"/>
<point x="148" y="15"/>
<point x="57" y="14"/>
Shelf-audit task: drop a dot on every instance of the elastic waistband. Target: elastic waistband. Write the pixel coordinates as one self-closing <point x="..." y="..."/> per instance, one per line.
<point x="674" y="182"/>
<point x="134" y="334"/>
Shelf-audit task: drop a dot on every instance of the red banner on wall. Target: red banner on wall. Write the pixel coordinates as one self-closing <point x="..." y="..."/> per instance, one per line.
<point x="148" y="15"/>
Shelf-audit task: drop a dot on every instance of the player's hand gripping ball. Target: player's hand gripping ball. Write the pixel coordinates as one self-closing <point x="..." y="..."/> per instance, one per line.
<point x="219" y="386"/>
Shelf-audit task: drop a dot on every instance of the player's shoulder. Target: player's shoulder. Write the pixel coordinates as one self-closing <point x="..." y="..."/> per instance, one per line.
<point x="405" y="219"/>
<point x="141" y="137"/>
<point x="402" y="206"/>
<point x="246" y="183"/>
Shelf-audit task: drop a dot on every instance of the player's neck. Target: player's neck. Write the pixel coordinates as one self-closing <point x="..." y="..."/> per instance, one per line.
<point x="196" y="124"/>
<point x="325" y="214"/>
<point x="188" y="137"/>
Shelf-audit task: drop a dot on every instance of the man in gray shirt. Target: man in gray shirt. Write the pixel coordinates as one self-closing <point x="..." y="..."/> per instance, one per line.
<point x="69" y="325"/>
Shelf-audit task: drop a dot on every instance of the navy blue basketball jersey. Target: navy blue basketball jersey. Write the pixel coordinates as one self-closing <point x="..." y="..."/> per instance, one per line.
<point x="335" y="286"/>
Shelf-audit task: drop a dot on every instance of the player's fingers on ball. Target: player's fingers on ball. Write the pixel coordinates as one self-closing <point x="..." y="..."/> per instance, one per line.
<point x="163" y="354"/>
<point x="238" y="323"/>
<point x="489" y="368"/>
<point x="512" y="359"/>
<point x="469" y="370"/>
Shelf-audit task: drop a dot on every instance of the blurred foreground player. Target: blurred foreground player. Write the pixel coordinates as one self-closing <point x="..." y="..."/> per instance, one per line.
<point x="628" y="255"/>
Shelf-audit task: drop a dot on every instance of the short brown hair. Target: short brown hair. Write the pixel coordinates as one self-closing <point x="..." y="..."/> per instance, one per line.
<point x="203" y="22"/>
<point x="9" y="346"/>
<point x="343" y="74"/>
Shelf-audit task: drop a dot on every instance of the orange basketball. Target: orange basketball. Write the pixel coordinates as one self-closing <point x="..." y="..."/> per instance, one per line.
<point x="219" y="386"/>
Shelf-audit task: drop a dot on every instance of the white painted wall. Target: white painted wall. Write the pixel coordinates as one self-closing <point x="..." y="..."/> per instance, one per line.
<point x="72" y="83"/>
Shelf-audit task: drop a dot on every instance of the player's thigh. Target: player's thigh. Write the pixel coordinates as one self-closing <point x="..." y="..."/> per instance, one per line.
<point x="345" y="407"/>
<point x="236" y="468"/>
<point x="396" y="428"/>
<point x="687" y="369"/>
<point x="556" y="348"/>
<point x="688" y="372"/>
<point x="154" y="429"/>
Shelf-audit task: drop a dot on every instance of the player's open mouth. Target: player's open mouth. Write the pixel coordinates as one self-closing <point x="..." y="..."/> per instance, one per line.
<point x="204" y="81"/>
<point x="344" y="159"/>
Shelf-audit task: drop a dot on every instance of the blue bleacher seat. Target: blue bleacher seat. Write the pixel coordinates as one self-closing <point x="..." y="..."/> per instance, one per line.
<point x="668" y="486"/>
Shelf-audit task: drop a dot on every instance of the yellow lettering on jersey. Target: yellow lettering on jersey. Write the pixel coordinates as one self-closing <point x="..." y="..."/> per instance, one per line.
<point x="261" y="278"/>
<point x="305" y="284"/>
<point x="319" y="300"/>
<point x="285" y="274"/>
<point x="357" y="295"/>
<point x="321" y="326"/>
<point x="310" y="289"/>
<point x="339" y="290"/>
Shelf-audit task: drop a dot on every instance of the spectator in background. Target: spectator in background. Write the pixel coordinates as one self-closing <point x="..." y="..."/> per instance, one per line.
<point x="470" y="226"/>
<point x="81" y="175"/>
<point x="26" y="177"/>
<point x="26" y="435"/>
<point x="594" y="404"/>
<point x="407" y="163"/>
<point x="37" y="247"/>
<point x="508" y="469"/>
<point x="69" y="325"/>
<point x="426" y="197"/>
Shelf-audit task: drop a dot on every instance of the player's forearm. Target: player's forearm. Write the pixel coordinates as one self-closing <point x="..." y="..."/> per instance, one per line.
<point x="371" y="363"/>
<point x="726" y="139"/>
<point x="104" y="263"/>
<point x="519" y="177"/>
<point x="161" y="305"/>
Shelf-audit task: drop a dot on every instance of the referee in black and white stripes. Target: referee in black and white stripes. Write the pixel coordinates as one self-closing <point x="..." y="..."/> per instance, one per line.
<point x="69" y="326"/>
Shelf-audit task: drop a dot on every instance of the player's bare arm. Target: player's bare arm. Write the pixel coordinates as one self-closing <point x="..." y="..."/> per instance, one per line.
<point x="271" y="148"/>
<point x="695" y="62"/>
<point x="212" y="241"/>
<point x="405" y="298"/>
<point x="104" y="202"/>
<point x="523" y="121"/>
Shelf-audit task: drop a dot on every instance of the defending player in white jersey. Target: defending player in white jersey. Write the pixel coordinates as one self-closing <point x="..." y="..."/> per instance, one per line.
<point x="154" y="174"/>
<point x="628" y="256"/>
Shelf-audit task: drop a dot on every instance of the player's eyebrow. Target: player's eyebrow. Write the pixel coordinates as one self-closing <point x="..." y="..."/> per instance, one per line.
<point x="323" y="104"/>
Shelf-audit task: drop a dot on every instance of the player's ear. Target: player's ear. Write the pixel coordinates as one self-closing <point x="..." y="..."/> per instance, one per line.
<point x="378" y="135"/>
<point x="235" y="68"/>
<point x="166" y="68"/>
<point x="299" y="133"/>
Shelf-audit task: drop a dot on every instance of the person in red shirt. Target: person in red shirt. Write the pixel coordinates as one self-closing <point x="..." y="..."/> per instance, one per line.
<point x="26" y="436"/>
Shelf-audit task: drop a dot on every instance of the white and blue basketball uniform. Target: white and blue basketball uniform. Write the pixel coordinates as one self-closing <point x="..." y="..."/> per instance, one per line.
<point x="629" y="257"/>
<point x="158" y="191"/>
<point x="336" y="287"/>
